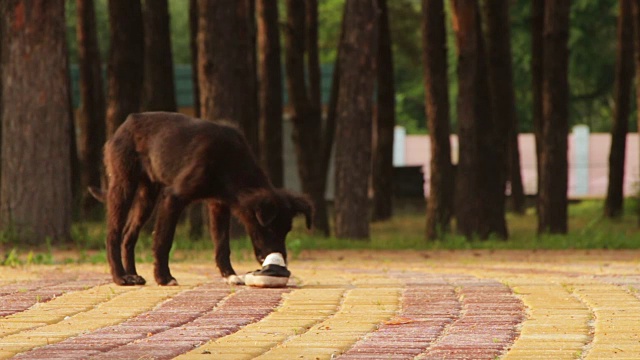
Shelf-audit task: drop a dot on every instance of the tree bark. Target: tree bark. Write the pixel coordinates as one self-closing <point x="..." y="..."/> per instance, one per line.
<point x="636" y="41"/>
<point x="354" y="122"/>
<point x="306" y="115"/>
<point x="537" y="50"/>
<point x="36" y="169"/>
<point x="436" y="83"/>
<point x="125" y="68"/>
<point x="92" y="110"/>
<point x="479" y="192"/>
<point x="158" y="92"/>
<point x="500" y="71"/>
<point x="226" y="71"/>
<point x="226" y="86"/>
<point x="270" y="91"/>
<point x="482" y="164"/>
<point x="467" y="202"/>
<point x="518" y="197"/>
<point x="492" y="135"/>
<point x="384" y="121"/>
<point x="552" y="202"/>
<point x="253" y="128"/>
<point x="313" y="58"/>
<point x="196" y="211"/>
<point x="193" y="46"/>
<point x="613" y="206"/>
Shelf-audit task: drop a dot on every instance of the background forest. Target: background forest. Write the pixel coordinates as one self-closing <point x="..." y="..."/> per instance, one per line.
<point x="341" y="74"/>
<point x="591" y="69"/>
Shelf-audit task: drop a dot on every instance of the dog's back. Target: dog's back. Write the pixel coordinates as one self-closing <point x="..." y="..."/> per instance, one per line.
<point x="175" y="130"/>
<point x="165" y="144"/>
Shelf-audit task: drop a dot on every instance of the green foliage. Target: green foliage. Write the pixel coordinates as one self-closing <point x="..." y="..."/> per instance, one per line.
<point x="592" y="46"/>
<point x="179" y="22"/>
<point x="588" y="229"/>
<point x="591" y="70"/>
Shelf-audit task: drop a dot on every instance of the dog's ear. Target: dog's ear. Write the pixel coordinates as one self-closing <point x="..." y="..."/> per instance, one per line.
<point x="302" y="205"/>
<point x="266" y="211"/>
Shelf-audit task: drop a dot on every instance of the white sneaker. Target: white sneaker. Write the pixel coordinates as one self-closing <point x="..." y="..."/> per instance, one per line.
<point x="274" y="273"/>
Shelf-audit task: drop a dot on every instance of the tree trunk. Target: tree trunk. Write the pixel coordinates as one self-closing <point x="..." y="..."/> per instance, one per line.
<point x="36" y="169"/>
<point x="537" y="28"/>
<point x="436" y="83"/>
<point x="193" y="46"/>
<point x="158" y="87"/>
<point x="306" y="113"/>
<point x="313" y="60"/>
<point x="479" y="192"/>
<point x="514" y="173"/>
<point x="354" y="122"/>
<point x="613" y="205"/>
<point x="552" y="202"/>
<point x="270" y="92"/>
<point x="500" y="69"/>
<point x="493" y="137"/>
<point x="252" y="130"/>
<point x="73" y="148"/>
<point x="196" y="210"/>
<point x="226" y="72"/>
<point x="384" y="122"/>
<point x="636" y="41"/>
<point x="125" y="69"/>
<point x="92" y="109"/>
<point x="467" y="201"/>
<point x="224" y="68"/>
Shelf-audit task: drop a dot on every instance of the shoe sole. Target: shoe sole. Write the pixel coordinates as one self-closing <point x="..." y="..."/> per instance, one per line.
<point x="265" y="281"/>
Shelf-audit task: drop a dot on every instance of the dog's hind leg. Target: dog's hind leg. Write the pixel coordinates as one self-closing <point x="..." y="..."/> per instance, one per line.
<point x="123" y="170"/>
<point x="219" y="220"/>
<point x="140" y="212"/>
<point x="169" y="209"/>
<point x="119" y="199"/>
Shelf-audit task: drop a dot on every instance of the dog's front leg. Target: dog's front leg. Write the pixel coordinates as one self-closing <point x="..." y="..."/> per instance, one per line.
<point x="168" y="212"/>
<point x="219" y="222"/>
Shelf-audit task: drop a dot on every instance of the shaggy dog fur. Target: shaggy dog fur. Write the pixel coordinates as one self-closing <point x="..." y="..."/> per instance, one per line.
<point x="172" y="159"/>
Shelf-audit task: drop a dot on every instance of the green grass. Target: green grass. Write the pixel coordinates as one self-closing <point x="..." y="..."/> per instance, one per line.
<point x="588" y="229"/>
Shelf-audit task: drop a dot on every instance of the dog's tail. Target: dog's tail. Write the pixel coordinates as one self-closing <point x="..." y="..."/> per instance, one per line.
<point x="97" y="193"/>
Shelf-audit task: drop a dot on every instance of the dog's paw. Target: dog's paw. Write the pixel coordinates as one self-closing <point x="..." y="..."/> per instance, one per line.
<point x="129" y="280"/>
<point x="234" y="280"/>
<point x="135" y="279"/>
<point x="170" y="281"/>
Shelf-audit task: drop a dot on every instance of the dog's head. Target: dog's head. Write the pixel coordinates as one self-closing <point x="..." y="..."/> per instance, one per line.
<point x="268" y="215"/>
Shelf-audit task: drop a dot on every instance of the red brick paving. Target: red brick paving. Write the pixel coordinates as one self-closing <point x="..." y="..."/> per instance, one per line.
<point x="440" y="319"/>
<point x="176" y="326"/>
<point x="442" y="314"/>
<point x="18" y="297"/>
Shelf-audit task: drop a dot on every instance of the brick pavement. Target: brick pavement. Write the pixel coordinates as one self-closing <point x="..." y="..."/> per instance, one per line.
<point x="345" y="305"/>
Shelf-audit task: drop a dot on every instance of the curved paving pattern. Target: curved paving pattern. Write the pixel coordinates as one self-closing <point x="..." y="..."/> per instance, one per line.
<point x="462" y="305"/>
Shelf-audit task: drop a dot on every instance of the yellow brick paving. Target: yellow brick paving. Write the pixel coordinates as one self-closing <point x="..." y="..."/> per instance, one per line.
<point x="577" y="317"/>
<point x="569" y="316"/>
<point x="77" y="312"/>
<point x="111" y="312"/>
<point x="323" y="318"/>
<point x="617" y="320"/>
<point x="558" y="323"/>
<point x="57" y="309"/>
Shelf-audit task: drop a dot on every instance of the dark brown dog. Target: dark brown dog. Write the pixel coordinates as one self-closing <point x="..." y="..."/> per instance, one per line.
<point x="181" y="159"/>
